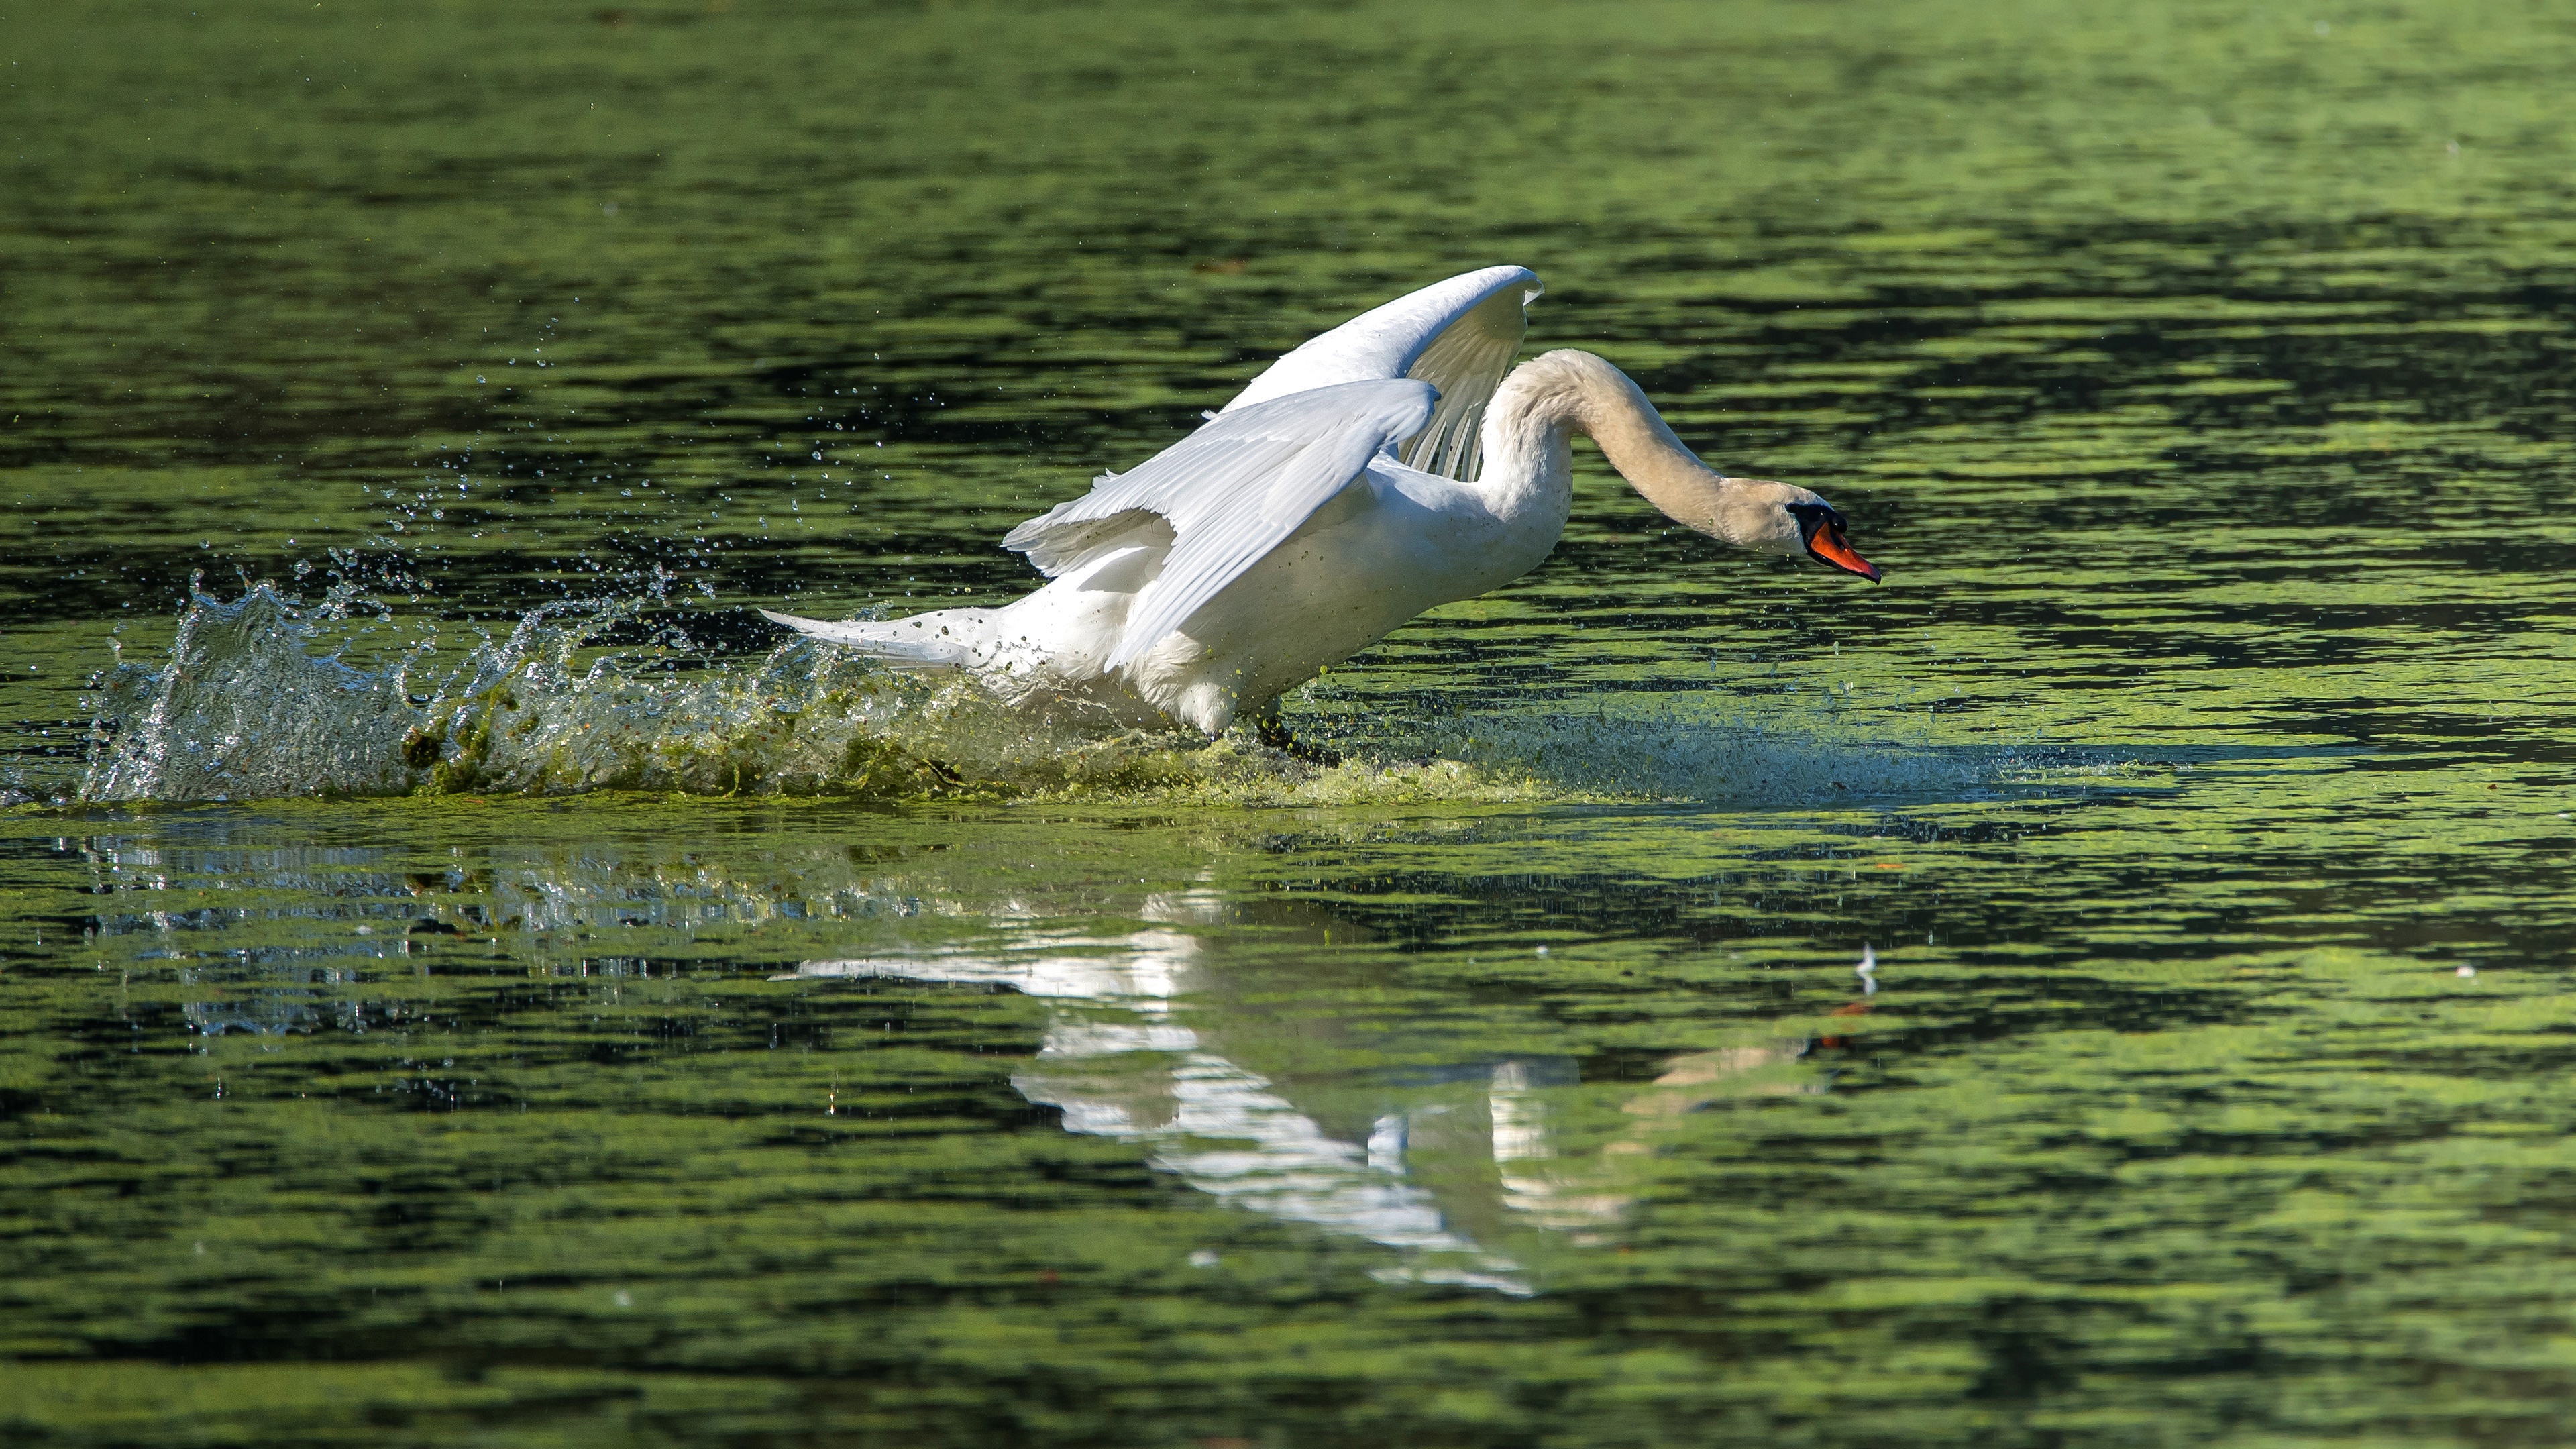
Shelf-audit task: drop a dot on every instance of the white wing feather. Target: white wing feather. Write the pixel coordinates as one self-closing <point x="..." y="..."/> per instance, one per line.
<point x="1230" y="493"/>
<point x="1419" y="368"/>
<point x="1458" y="336"/>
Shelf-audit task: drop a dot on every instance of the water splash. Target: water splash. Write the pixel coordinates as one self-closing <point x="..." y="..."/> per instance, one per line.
<point x="257" y="701"/>
<point x="245" y="707"/>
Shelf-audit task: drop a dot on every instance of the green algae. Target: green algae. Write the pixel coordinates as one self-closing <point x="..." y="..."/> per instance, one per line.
<point x="591" y="1113"/>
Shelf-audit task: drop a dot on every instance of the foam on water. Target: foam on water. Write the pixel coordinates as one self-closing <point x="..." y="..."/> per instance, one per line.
<point x="253" y="702"/>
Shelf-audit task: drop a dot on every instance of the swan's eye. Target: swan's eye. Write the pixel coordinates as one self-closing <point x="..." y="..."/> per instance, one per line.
<point x="1812" y="516"/>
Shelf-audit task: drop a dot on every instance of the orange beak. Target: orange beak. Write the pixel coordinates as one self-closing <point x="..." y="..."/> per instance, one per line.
<point x="1826" y="545"/>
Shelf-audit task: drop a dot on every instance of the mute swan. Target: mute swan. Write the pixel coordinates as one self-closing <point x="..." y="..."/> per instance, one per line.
<point x="1333" y="499"/>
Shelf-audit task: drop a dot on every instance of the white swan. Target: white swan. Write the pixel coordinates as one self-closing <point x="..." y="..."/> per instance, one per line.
<point x="1335" y="498"/>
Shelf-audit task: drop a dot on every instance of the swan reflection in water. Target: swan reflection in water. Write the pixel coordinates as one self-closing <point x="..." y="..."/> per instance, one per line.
<point x="1470" y="1167"/>
<point x="1245" y="1043"/>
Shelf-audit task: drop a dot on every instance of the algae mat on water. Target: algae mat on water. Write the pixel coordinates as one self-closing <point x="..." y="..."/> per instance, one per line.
<point x="900" y="1076"/>
<point x="718" y="1123"/>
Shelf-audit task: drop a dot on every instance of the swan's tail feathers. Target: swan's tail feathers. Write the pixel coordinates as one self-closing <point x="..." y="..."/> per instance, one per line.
<point x="942" y="639"/>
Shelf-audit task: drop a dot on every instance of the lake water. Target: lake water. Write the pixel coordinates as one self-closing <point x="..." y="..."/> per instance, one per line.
<point x="464" y="980"/>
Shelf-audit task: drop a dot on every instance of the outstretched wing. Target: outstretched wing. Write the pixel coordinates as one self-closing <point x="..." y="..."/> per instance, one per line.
<point x="1230" y="492"/>
<point x="1458" y="336"/>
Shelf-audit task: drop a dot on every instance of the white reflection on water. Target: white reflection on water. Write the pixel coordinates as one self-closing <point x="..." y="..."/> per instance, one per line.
<point x="1226" y="1130"/>
<point x="1459" y="1161"/>
<point x="1476" y="1167"/>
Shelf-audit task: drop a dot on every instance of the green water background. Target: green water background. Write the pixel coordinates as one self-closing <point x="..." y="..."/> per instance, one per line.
<point x="2200" y="374"/>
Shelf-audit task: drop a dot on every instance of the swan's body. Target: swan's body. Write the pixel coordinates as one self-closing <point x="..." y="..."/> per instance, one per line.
<point x="1383" y="468"/>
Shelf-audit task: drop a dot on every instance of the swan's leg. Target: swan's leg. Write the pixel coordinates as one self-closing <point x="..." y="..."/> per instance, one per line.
<point x="1272" y="732"/>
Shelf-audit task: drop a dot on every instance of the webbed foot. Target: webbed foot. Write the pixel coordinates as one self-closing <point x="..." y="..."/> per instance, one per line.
<point x="1274" y="735"/>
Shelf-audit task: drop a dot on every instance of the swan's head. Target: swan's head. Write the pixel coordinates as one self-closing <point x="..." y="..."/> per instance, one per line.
<point x="1780" y="518"/>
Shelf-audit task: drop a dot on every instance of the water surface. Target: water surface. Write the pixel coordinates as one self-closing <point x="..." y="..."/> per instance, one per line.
<point x="701" y="1040"/>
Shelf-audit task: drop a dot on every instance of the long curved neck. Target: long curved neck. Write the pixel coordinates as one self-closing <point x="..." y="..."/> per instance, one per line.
<point x="1563" y="392"/>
